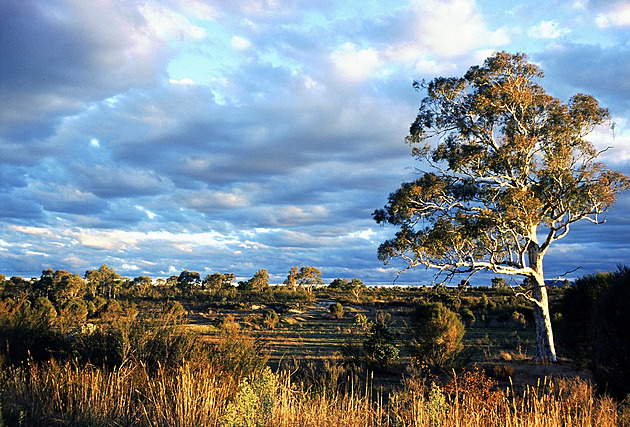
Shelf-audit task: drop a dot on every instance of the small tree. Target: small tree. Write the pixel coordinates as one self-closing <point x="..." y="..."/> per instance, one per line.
<point x="336" y="310"/>
<point x="436" y="333"/>
<point x="510" y="173"/>
<point x="379" y="349"/>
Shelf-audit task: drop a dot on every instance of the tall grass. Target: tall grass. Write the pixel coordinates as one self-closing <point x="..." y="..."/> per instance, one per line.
<point x="197" y="393"/>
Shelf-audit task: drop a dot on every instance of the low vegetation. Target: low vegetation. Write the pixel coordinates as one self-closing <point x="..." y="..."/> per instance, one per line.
<point x="107" y="350"/>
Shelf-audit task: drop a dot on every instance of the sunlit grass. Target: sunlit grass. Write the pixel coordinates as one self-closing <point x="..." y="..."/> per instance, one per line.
<point x="200" y="394"/>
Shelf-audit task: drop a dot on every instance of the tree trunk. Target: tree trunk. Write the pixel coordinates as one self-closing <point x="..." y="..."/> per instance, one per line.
<point x="545" y="348"/>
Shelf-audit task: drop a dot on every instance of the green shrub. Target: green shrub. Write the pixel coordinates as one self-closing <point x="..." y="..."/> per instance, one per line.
<point x="336" y="310"/>
<point x="435" y="334"/>
<point x="379" y="349"/>
<point x="611" y="336"/>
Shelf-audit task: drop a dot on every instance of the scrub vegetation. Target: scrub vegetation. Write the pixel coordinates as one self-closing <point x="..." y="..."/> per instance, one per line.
<point x="108" y="350"/>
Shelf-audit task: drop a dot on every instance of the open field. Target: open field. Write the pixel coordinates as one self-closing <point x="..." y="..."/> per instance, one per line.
<point x="220" y="358"/>
<point x="312" y="334"/>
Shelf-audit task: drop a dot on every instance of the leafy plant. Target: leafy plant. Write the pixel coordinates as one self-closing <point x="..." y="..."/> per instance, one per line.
<point x="435" y="334"/>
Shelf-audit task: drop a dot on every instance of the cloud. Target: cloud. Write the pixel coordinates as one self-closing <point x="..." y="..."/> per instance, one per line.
<point x="209" y="201"/>
<point x="452" y="28"/>
<point x="547" y="30"/>
<point x="233" y="136"/>
<point x="592" y="69"/>
<point x="169" y="25"/>
<point x="354" y="64"/>
<point x="240" y="43"/>
<point x="619" y="16"/>
<point x="91" y="51"/>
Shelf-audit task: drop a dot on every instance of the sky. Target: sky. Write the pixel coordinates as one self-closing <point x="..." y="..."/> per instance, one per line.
<point x="229" y="136"/>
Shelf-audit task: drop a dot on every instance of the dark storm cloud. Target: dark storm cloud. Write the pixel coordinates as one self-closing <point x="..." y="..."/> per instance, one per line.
<point x="57" y="57"/>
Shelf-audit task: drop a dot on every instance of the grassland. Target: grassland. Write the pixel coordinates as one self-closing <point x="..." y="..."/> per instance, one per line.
<point x="217" y="363"/>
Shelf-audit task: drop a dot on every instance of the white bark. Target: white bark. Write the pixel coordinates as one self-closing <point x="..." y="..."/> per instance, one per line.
<point x="545" y="348"/>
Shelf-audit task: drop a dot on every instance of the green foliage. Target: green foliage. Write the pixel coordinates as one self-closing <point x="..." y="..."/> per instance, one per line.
<point x="336" y="310"/>
<point x="218" y="281"/>
<point x="379" y="349"/>
<point x="468" y="317"/>
<point x="254" y="402"/>
<point x="436" y="406"/>
<point x="435" y="334"/>
<point x="306" y="277"/>
<point x="259" y="282"/>
<point x="28" y="332"/>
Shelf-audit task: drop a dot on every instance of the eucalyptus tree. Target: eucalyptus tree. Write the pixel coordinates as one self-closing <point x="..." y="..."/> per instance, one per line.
<point x="508" y="172"/>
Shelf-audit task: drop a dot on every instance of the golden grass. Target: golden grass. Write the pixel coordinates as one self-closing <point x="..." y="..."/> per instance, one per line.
<point x="197" y="394"/>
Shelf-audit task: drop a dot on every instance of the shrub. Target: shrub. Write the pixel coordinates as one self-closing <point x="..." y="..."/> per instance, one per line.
<point x="595" y="327"/>
<point x="254" y="402"/>
<point x="270" y="319"/>
<point x="336" y="310"/>
<point x="379" y="349"/>
<point x="611" y="336"/>
<point x="435" y="334"/>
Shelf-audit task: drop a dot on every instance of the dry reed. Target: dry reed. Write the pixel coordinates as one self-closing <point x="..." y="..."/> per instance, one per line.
<point x="196" y="394"/>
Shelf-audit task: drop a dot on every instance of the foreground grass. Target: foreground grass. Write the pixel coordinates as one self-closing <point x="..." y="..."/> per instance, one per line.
<point x="198" y="393"/>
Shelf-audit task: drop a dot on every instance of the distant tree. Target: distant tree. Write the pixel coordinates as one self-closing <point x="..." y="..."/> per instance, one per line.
<point x="305" y="276"/>
<point x="259" y="282"/>
<point x="218" y="281"/>
<point x="499" y="283"/>
<point x="187" y="280"/>
<point x="44" y="285"/>
<point x="507" y="163"/>
<point x="104" y="281"/>
<point x="16" y="287"/>
<point x="141" y="285"/>
<point x="340" y="284"/>
<point x="66" y="286"/>
<point x="293" y="277"/>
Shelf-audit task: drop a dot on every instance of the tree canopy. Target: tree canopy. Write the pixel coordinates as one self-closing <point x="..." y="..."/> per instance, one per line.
<point x="509" y="170"/>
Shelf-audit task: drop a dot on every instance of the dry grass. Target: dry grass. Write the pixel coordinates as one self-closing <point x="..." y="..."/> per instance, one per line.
<point x="198" y="394"/>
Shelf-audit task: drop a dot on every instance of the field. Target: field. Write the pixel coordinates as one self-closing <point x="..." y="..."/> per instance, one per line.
<point x="282" y="357"/>
<point x="311" y="335"/>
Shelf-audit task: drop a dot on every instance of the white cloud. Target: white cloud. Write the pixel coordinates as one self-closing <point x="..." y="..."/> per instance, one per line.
<point x="150" y="214"/>
<point x="619" y="17"/>
<point x="240" y="43"/>
<point x="547" y="30"/>
<point x="169" y="25"/>
<point x="454" y="27"/>
<point x="354" y="64"/>
<point x="185" y="81"/>
<point x="207" y="200"/>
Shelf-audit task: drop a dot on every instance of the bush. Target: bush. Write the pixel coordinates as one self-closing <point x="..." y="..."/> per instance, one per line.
<point x="611" y="336"/>
<point x="379" y="349"/>
<point x="435" y="334"/>
<point x="270" y="319"/>
<point x="336" y="310"/>
<point x="595" y="327"/>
